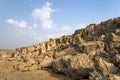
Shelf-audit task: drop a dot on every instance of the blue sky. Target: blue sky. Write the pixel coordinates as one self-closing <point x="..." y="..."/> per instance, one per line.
<point x="27" y="22"/>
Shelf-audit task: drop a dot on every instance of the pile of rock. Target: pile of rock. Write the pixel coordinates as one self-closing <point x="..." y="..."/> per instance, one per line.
<point x="92" y="53"/>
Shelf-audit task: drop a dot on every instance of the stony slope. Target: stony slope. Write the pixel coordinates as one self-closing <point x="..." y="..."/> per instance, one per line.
<point x="92" y="53"/>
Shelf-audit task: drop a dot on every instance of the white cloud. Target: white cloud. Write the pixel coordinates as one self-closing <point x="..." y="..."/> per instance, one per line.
<point x="43" y="13"/>
<point x="66" y="28"/>
<point x="47" y="24"/>
<point x="44" y="16"/>
<point x="21" y="24"/>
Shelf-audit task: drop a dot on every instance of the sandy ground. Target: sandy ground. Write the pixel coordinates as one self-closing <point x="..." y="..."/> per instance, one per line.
<point x="32" y="75"/>
<point x="7" y="73"/>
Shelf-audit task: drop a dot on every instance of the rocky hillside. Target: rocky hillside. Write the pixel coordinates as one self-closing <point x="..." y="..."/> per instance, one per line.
<point x="92" y="53"/>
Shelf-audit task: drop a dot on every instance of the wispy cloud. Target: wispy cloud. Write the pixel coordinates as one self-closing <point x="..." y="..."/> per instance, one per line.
<point x="21" y="24"/>
<point x="44" y="16"/>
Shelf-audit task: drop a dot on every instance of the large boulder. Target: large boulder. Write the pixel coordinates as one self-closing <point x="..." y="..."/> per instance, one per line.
<point x="78" y="66"/>
<point x="46" y="62"/>
<point x="106" y="67"/>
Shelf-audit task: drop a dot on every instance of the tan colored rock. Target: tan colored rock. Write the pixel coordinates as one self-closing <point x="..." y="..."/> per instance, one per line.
<point x="19" y="58"/>
<point x="29" y="54"/>
<point x="43" y="47"/>
<point x="114" y="77"/>
<point x="11" y="59"/>
<point x="57" y="64"/>
<point x="51" y="45"/>
<point x="90" y="47"/>
<point x="46" y="62"/>
<point x="4" y="56"/>
<point x="77" y="39"/>
<point x="37" y="46"/>
<point x="36" y="53"/>
<point x="24" y="51"/>
<point x="31" y="61"/>
<point x="34" y="67"/>
<point x="77" y="66"/>
<point x="66" y="52"/>
<point x="96" y="75"/>
<point x="114" y="37"/>
<point x="22" y="68"/>
<point x="106" y="67"/>
<point x="91" y="53"/>
<point x="31" y="48"/>
<point x="117" y="58"/>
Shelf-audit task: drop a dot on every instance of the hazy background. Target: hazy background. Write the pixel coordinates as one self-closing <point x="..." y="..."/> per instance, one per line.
<point x="27" y="22"/>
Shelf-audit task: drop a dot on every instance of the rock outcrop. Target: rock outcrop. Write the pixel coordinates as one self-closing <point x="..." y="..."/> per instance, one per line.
<point x="92" y="53"/>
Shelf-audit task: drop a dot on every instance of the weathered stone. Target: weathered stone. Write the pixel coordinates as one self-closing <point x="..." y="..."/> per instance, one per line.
<point x="114" y="77"/>
<point x="91" y="53"/>
<point x="117" y="58"/>
<point x="46" y="62"/>
<point x="31" y="48"/>
<point x="77" y="66"/>
<point x="43" y="47"/>
<point x="24" y="51"/>
<point x="37" y="46"/>
<point x="91" y="47"/>
<point x="29" y="54"/>
<point x="34" y="67"/>
<point x="66" y="52"/>
<point x="31" y="61"/>
<point x="22" y="68"/>
<point x="77" y="39"/>
<point x="96" y="75"/>
<point x="106" y="67"/>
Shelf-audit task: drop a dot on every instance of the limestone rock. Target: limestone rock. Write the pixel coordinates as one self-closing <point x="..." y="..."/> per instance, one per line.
<point x="91" y="53"/>
<point x="23" y="68"/>
<point x="106" y="67"/>
<point x="96" y="75"/>
<point x="77" y="66"/>
<point x="65" y="52"/>
<point x="46" y="62"/>
<point x="114" y="77"/>
<point x="34" y="67"/>
<point x="91" y="47"/>
<point x="117" y="58"/>
<point x="31" y="48"/>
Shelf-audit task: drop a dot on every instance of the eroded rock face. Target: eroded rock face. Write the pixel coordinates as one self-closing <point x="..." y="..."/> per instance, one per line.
<point x="106" y="67"/>
<point x="91" y="53"/>
<point x="77" y="66"/>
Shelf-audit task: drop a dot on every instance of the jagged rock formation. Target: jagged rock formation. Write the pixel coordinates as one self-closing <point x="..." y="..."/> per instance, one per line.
<point x="91" y="53"/>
